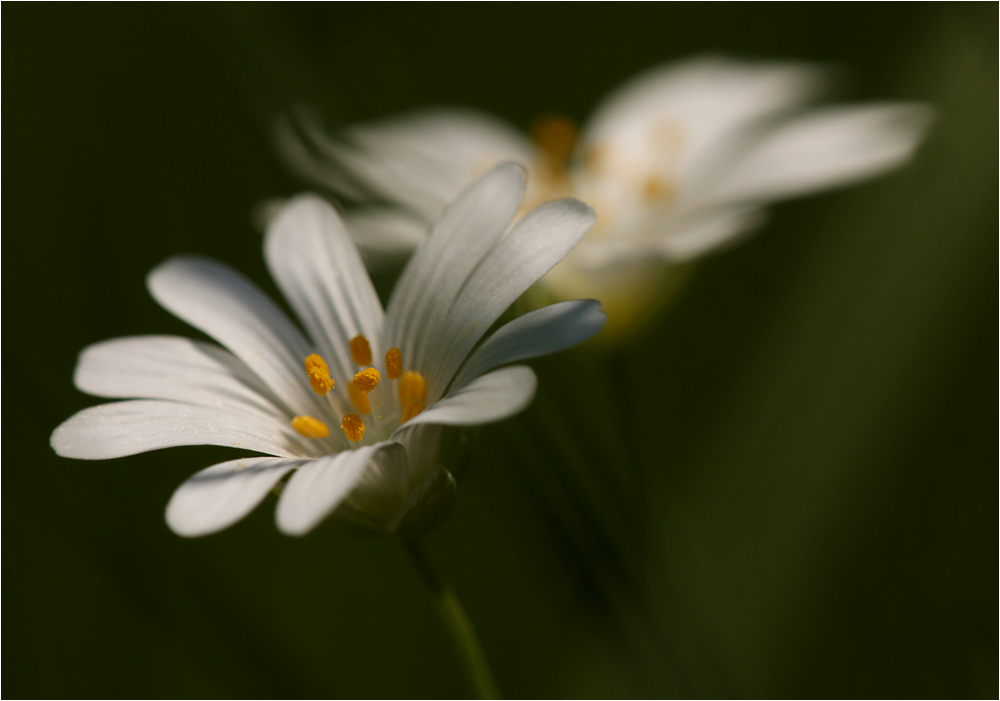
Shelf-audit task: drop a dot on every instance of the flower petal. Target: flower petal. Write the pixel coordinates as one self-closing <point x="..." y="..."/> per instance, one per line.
<point x="543" y="331"/>
<point x="824" y="148"/>
<point x="225" y="305"/>
<point x="535" y="244"/>
<point x="126" y="428"/>
<point x="457" y="243"/>
<point x="425" y="159"/>
<point x="676" y="239"/>
<point x="318" y="268"/>
<point x="219" y="496"/>
<point x="171" y="367"/>
<point x="386" y="237"/>
<point x="489" y="398"/>
<point x="309" y="152"/>
<point x="317" y="488"/>
<point x="687" y="110"/>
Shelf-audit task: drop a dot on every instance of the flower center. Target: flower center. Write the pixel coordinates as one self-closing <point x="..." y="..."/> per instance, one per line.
<point x="410" y="388"/>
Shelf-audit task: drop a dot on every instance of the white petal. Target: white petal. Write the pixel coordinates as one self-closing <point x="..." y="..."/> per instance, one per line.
<point x="386" y="237"/>
<point x="823" y="149"/>
<point x="457" y="243"/>
<point x="676" y="239"/>
<point x="220" y="495"/>
<point x="309" y="152"/>
<point x="535" y="244"/>
<point x="171" y="367"/>
<point x="318" y="268"/>
<point x="317" y="488"/>
<point x="488" y="398"/>
<point x="684" y="111"/>
<point x="543" y="331"/>
<point x="126" y="428"/>
<point x="425" y="159"/>
<point x="696" y="235"/>
<point x="225" y="305"/>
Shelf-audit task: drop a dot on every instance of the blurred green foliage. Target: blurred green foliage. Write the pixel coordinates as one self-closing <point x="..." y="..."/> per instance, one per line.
<point x="785" y="487"/>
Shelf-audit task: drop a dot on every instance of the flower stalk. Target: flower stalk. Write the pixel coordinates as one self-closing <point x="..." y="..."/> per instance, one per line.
<point x="456" y="620"/>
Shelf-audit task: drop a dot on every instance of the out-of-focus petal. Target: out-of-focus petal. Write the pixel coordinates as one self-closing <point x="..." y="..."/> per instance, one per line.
<point x="219" y="496"/>
<point x="425" y="159"/>
<point x="386" y="237"/>
<point x="126" y="428"/>
<point x="307" y="150"/>
<point x="824" y="148"/>
<point x="676" y="239"/>
<point x="687" y="110"/>
<point x="540" y="332"/>
<point x="317" y="488"/>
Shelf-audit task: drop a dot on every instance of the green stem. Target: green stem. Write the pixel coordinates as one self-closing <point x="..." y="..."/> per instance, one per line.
<point x="457" y="621"/>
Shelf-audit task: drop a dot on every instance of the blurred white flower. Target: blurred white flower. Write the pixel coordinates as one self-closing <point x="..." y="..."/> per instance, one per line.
<point x="360" y="408"/>
<point x="676" y="162"/>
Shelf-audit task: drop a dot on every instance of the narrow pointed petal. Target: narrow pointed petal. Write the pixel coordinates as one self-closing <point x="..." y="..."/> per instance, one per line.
<point x="175" y="368"/>
<point x="825" y="148"/>
<point x="318" y="268"/>
<point x="319" y="487"/>
<point x="126" y="428"/>
<point x="457" y="243"/>
<point x="225" y="305"/>
<point x="543" y="331"/>
<point x="488" y="398"/>
<point x="219" y="496"/>
<point x="535" y="244"/>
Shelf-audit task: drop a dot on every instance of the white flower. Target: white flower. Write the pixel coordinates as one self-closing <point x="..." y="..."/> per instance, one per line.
<point x="677" y="162"/>
<point x="372" y="447"/>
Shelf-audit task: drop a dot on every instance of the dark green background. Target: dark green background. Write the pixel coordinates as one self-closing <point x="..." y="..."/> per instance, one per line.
<point x="786" y="487"/>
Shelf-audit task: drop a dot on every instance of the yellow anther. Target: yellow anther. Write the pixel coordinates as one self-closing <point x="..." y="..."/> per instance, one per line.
<point x="366" y="380"/>
<point x="411" y="409"/>
<point x="361" y="351"/>
<point x="353" y="427"/>
<point x="555" y="135"/>
<point x="393" y="363"/>
<point x="595" y="158"/>
<point x="359" y="399"/>
<point x="310" y="427"/>
<point x="412" y="386"/>
<point x="319" y="374"/>
<point x="656" y="188"/>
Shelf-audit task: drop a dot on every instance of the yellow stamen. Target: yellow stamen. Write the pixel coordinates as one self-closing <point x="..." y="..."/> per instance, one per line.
<point x="319" y="374"/>
<point x="353" y="427"/>
<point x="310" y="427"/>
<point x="393" y="363"/>
<point x="555" y="134"/>
<point x="656" y="188"/>
<point x="361" y="351"/>
<point x="366" y="380"/>
<point x="594" y="158"/>
<point x="412" y="386"/>
<point x="414" y="407"/>
<point x="359" y="399"/>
